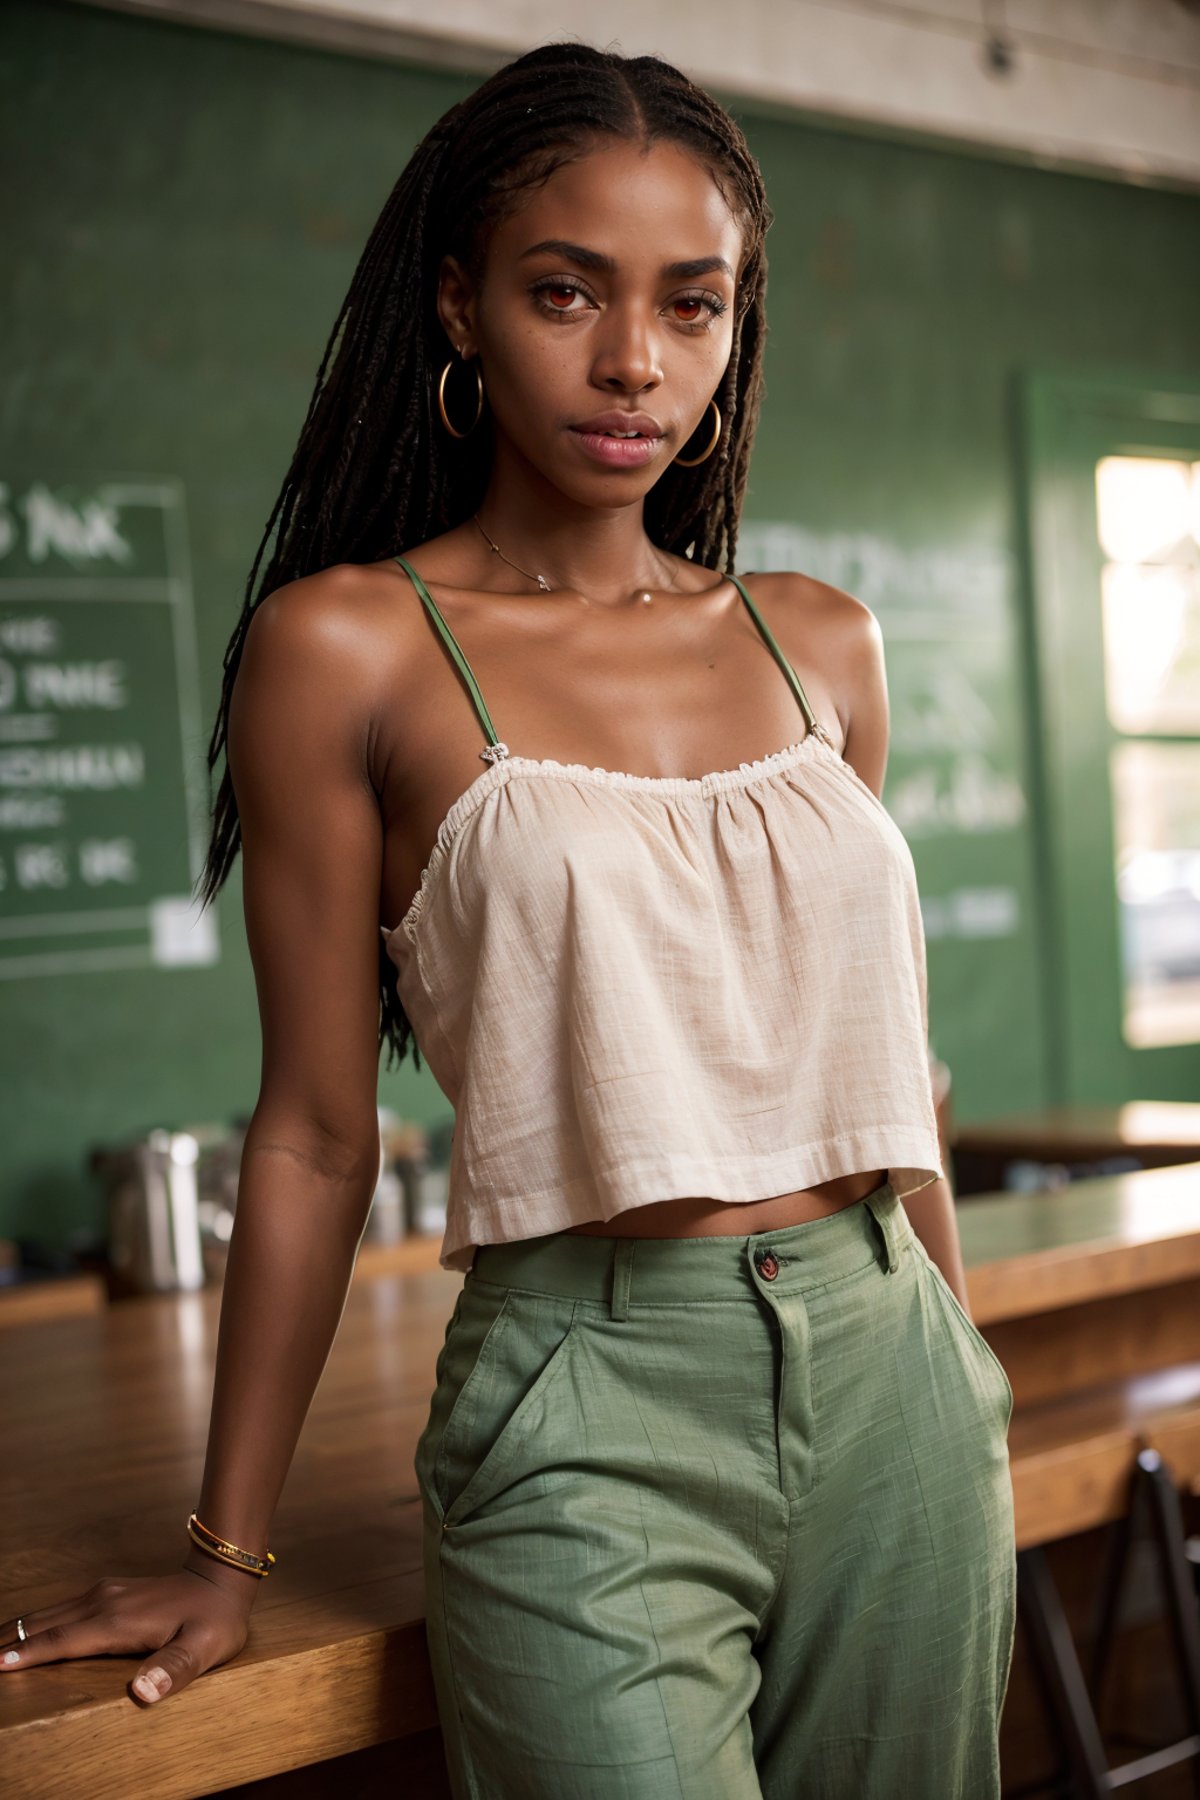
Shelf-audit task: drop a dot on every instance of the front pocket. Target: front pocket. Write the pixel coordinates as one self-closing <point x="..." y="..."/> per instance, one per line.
<point x="514" y="1347"/>
<point x="467" y="1332"/>
<point x="471" y="1350"/>
<point x="964" y="1323"/>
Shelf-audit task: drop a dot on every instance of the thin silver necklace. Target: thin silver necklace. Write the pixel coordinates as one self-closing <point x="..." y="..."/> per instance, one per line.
<point x="540" y="579"/>
<point x="543" y="584"/>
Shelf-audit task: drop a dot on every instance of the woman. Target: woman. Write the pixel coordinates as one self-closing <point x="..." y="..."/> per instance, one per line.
<point x="715" y="1483"/>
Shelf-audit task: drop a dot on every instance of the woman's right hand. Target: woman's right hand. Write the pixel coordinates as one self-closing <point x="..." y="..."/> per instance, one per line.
<point x="181" y="1624"/>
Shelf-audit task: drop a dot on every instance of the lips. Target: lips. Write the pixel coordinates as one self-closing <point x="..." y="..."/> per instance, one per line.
<point x="620" y="424"/>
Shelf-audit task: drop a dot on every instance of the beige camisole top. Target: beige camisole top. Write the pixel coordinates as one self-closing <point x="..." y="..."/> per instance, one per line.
<point x="641" y="987"/>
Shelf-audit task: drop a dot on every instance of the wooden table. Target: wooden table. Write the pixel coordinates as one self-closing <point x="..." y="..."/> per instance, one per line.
<point x="106" y="1419"/>
<point x="1155" y="1132"/>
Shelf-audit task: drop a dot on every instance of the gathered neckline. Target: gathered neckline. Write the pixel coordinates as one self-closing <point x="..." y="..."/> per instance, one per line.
<point x="715" y="781"/>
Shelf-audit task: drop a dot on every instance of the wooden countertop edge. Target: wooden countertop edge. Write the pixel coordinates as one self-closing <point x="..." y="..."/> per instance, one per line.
<point x="1071" y="1274"/>
<point x="234" y="1724"/>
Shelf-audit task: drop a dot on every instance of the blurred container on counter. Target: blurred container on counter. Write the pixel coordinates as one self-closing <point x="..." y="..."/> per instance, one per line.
<point x="153" y="1213"/>
<point x="410" y="1195"/>
<point x="170" y="1198"/>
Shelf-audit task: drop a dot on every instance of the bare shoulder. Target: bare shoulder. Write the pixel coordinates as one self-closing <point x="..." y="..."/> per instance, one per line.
<point x="335" y="637"/>
<point x="850" y="621"/>
<point x="335" y="611"/>
<point x="842" y="637"/>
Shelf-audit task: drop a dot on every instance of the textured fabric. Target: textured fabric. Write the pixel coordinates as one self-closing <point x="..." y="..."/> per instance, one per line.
<point x="635" y="988"/>
<point x="692" y="1532"/>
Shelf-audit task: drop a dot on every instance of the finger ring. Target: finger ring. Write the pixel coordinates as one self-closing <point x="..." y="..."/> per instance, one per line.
<point x="22" y="1634"/>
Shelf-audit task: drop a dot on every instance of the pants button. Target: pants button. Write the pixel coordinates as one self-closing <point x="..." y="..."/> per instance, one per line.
<point x="767" y="1264"/>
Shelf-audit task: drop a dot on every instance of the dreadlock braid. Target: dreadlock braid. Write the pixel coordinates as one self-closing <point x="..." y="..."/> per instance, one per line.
<point x="373" y="472"/>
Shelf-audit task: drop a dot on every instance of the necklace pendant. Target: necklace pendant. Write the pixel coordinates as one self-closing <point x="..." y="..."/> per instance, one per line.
<point x="543" y="584"/>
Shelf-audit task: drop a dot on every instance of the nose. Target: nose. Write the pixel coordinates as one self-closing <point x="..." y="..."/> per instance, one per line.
<point x="627" y="357"/>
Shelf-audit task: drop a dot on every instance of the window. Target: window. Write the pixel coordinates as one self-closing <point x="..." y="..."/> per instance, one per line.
<point x="1148" y="520"/>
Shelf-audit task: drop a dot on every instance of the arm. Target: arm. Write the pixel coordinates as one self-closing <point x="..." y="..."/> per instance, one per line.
<point x="935" y="1223"/>
<point x="312" y="843"/>
<point x="312" y="857"/>
<point x="931" y="1210"/>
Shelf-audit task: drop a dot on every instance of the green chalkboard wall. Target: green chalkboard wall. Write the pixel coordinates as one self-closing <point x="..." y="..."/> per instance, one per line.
<point x="184" y="210"/>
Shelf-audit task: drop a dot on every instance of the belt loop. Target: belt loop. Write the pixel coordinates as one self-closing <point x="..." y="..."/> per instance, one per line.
<point x="884" y="1204"/>
<point x="622" y="1277"/>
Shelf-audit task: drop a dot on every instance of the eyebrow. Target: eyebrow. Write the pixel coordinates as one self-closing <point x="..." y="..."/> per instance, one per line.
<point x="596" y="259"/>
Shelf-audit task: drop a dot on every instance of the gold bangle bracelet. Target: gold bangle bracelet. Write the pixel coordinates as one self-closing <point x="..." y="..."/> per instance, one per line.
<point x="224" y="1543"/>
<point x="227" y="1552"/>
<point x="211" y="1540"/>
<point x="235" y="1559"/>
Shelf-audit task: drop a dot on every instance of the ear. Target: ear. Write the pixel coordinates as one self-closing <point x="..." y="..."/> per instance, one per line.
<point x="456" y="305"/>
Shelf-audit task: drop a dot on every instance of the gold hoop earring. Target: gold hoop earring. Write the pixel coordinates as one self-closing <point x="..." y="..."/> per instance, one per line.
<point x="692" y="461"/>
<point x="441" y="398"/>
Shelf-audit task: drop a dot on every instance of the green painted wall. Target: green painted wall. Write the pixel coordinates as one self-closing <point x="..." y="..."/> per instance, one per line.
<point x="184" y="213"/>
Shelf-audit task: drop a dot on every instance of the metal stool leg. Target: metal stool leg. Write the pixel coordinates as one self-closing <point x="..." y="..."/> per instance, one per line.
<point x="1183" y="1613"/>
<point x="1166" y="1519"/>
<point x="1155" y="1508"/>
<point x="1054" y="1651"/>
<point x="1124" y="1534"/>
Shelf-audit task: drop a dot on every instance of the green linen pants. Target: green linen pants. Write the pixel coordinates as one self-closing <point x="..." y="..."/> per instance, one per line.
<point x="719" y="1518"/>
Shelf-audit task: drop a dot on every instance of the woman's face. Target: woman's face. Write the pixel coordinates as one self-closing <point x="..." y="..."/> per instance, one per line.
<point x="580" y="313"/>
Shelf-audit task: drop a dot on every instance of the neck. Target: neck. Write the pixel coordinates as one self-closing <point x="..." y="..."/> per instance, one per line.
<point x="601" y="552"/>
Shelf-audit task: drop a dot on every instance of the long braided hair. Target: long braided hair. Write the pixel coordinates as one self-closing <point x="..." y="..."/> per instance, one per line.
<point x="374" y="472"/>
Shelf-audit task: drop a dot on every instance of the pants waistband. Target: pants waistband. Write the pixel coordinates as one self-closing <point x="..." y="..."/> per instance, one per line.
<point x="626" y="1271"/>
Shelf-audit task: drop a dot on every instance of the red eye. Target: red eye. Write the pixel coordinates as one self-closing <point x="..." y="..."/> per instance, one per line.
<point x="691" y="300"/>
<point x="556" y="293"/>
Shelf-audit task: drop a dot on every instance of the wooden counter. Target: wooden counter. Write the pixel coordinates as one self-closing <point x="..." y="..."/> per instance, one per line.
<point x="106" y="1418"/>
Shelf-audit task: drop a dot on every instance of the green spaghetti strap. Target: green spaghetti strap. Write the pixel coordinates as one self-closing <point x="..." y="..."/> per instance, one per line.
<point x="811" y="720"/>
<point x="496" y="751"/>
